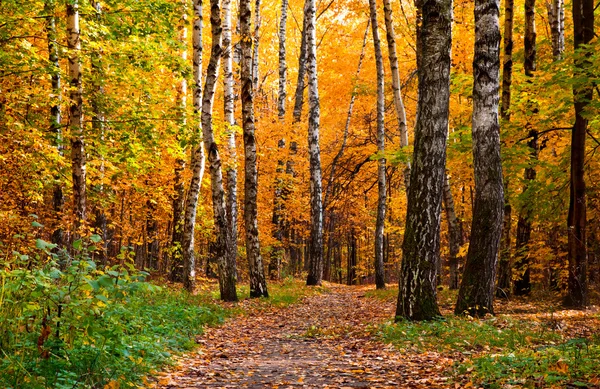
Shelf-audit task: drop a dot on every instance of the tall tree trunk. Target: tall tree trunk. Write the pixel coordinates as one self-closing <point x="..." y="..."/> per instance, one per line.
<point x="255" y="58"/>
<point x="476" y="294"/>
<point x="398" y="103"/>
<point x="556" y="18"/>
<point x="454" y="233"/>
<point x="299" y="94"/>
<point x="221" y="246"/>
<point x="78" y="160"/>
<point x="177" y="271"/>
<point x="382" y="196"/>
<point x="282" y="61"/>
<point x="315" y="273"/>
<point x="583" y="27"/>
<point x="198" y="164"/>
<point x="505" y="264"/>
<point x="58" y="198"/>
<point x="523" y="282"/>
<point x="258" y="285"/>
<point x="228" y="110"/>
<point x="421" y="247"/>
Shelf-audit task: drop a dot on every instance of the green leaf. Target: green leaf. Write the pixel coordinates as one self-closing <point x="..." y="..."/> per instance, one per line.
<point x="43" y="245"/>
<point x="95" y="238"/>
<point x="36" y="224"/>
<point x="78" y="244"/>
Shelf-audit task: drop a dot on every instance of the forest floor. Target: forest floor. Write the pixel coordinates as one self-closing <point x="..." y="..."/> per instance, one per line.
<point x="338" y="339"/>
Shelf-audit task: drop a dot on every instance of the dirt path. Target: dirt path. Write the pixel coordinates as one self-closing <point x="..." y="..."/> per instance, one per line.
<point x="324" y="342"/>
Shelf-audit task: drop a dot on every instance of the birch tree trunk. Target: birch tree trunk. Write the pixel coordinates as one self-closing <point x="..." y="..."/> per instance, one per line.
<point x="505" y="264"/>
<point x="221" y="247"/>
<point x="421" y="247"/>
<point x="58" y="198"/>
<point x="282" y="61"/>
<point x="530" y="38"/>
<point x="177" y="271"/>
<point x="476" y="294"/>
<point x="315" y="272"/>
<point x="258" y="285"/>
<point x="198" y="164"/>
<point x="454" y="233"/>
<point x="78" y="160"/>
<point x="398" y="103"/>
<point x="583" y="27"/>
<point x="556" y="18"/>
<point x="381" y="186"/>
<point x="228" y="110"/>
<point x="255" y="59"/>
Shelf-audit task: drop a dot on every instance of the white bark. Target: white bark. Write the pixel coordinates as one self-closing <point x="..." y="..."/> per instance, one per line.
<point x="197" y="164"/>
<point x="255" y="59"/>
<point x="282" y="61"/>
<point x="315" y="273"/>
<point x="78" y="158"/>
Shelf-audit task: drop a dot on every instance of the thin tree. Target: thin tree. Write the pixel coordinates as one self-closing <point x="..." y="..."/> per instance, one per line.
<point x="523" y="282"/>
<point x="455" y="237"/>
<point x="221" y="246"/>
<point x="58" y="198"/>
<point x="258" y="285"/>
<point x="197" y="163"/>
<point x="421" y="246"/>
<point x="282" y="61"/>
<point x="381" y="186"/>
<point x="398" y="102"/>
<point x="78" y="157"/>
<point x="255" y="57"/>
<point x="504" y="285"/>
<point x="177" y="272"/>
<point x="299" y="93"/>
<point x="476" y="294"/>
<point x="556" y="18"/>
<point x="315" y="254"/>
<point x="583" y="92"/>
<point x="228" y="110"/>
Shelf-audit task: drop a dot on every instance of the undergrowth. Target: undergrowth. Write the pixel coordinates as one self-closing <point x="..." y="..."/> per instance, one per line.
<point x="67" y="323"/>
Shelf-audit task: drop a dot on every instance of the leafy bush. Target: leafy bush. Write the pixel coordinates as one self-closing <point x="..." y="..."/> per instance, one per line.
<point x="65" y="323"/>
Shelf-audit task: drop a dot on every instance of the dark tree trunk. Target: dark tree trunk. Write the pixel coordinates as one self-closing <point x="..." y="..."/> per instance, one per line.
<point x="476" y="294"/>
<point x="454" y="234"/>
<point x="583" y="26"/>
<point x="421" y="247"/>
<point x="299" y="94"/>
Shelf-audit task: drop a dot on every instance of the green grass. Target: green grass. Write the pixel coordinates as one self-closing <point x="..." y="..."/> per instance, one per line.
<point x="501" y="351"/>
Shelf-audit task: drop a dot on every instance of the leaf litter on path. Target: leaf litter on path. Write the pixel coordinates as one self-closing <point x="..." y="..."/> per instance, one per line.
<point x="326" y="341"/>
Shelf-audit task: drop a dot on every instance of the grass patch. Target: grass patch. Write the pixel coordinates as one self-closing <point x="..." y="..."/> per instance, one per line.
<point x="501" y="351"/>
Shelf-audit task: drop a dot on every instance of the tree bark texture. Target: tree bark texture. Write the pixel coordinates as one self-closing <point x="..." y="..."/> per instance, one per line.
<point x="258" y="285"/>
<point x="381" y="186"/>
<point x="477" y="289"/>
<point x="421" y="247"/>
<point x="222" y="245"/>
<point x="78" y="157"/>
<point x="398" y="103"/>
<point x="282" y="61"/>
<point x="228" y="110"/>
<point x="556" y="18"/>
<point x="315" y="273"/>
<point x="454" y="233"/>
<point x="197" y="163"/>
<point x="530" y="38"/>
<point x="255" y="55"/>
<point x="507" y="63"/>
<point x="583" y="26"/>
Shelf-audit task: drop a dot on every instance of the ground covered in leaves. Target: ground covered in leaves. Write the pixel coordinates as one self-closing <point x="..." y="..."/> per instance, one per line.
<point x="343" y="337"/>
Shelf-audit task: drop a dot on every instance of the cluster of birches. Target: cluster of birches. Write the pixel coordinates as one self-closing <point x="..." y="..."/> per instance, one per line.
<point x="120" y="133"/>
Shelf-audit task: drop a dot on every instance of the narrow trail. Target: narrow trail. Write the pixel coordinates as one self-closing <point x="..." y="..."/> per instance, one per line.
<point x="326" y="341"/>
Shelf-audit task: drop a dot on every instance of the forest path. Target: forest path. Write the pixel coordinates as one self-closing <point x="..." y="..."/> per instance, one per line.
<point x="326" y="341"/>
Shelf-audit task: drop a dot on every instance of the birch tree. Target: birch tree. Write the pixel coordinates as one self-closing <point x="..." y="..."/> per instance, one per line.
<point x="78" y="157"/>
<point x="258" y="285"/>
<point x="221" y="246"/>
<point x="476" y="294"/>
<point x="381" y="187"/>
<point x="421" y="247"/>
<point x="455" y="237"/>
<point x="556" y="18"/>
<point x="398" y="103"/>
<point x="228" y="110"/>
<point x="315" y="271"/>
<point x="197" y="163"/>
